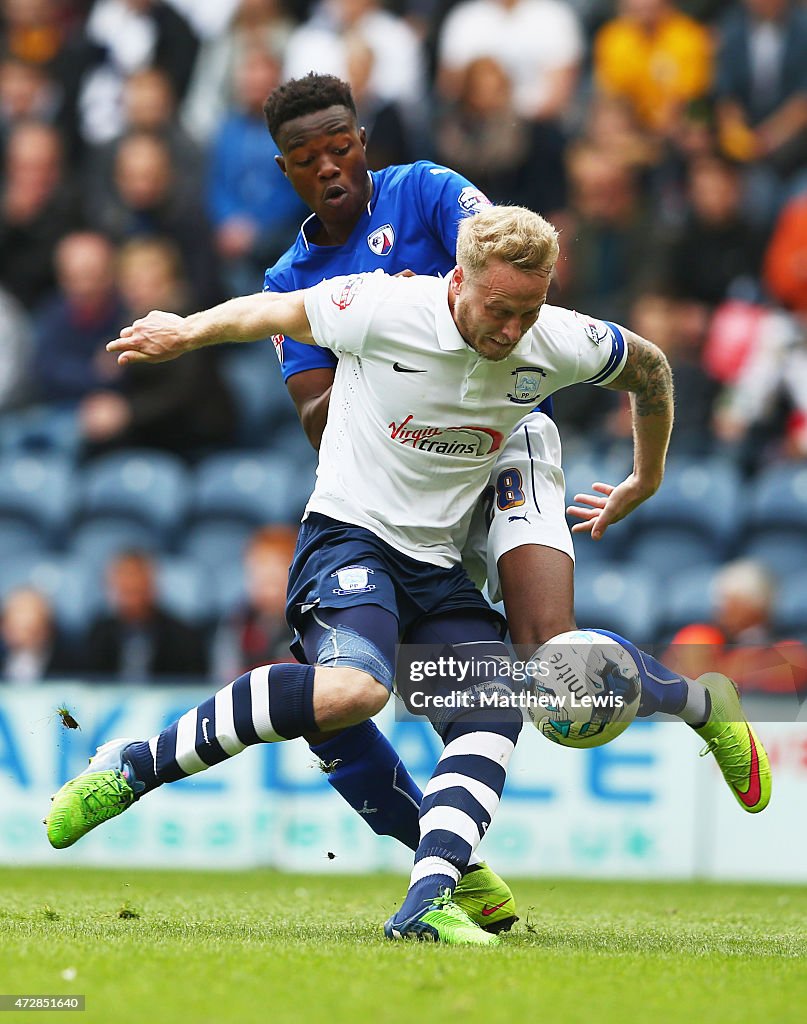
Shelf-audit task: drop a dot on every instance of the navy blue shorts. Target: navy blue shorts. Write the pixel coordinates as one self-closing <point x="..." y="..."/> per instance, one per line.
<point x="337" y="565"/>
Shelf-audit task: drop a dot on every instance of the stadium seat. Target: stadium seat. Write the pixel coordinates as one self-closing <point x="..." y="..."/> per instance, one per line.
<point x="217" y="544"/>
<point x="230" y="589"/>
<point x="68" y="584"/>
<point x="778" y="500"/>
<point x="687" y="597"/>
<point x="252" y="489"/>
<point x="790" y="615"/>
<point x="144" y="486"/>
<point x="580" y="473"/>
<point x="41" y="430"/>
<point x="781" y="550"/>
<point x="623" y="599"/>
<point x="38" y="490"/>
<point x="699" y="496"/>
<point x="185" y="589"/>
<point x="21" y="538"/>
<point x="667" y="550"/>
<point x="262" y="401"/>
<point x="97" y="541"/>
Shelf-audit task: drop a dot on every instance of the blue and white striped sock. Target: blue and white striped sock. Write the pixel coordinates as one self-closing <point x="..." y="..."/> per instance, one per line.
<point x="267" y="705"/>
<point x="459" y="802"/>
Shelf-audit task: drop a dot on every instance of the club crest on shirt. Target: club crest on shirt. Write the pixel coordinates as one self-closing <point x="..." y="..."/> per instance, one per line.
<point x="353" y="579"/>
<point x="472" y="200"/>
<point x="382" y="240"/>
<point x="527" y="385"/>
<point x="345" y="292"/>
<point x="277" y="341"/>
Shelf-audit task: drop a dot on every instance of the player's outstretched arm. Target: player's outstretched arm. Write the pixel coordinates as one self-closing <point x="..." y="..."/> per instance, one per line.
<point x="159" y="336"/>
<point x="648" y="377"/>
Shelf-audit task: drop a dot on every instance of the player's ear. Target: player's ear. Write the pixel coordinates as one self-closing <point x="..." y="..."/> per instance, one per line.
<point x="457" y="277"/>
<point x="363" y="137"/>
<point x="281" y="163"/>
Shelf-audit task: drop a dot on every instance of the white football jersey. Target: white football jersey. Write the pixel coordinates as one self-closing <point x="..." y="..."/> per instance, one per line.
<point x="416" y="417"/>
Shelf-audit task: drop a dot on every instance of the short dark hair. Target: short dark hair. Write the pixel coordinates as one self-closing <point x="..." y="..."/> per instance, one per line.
<point x="301" y="96"/>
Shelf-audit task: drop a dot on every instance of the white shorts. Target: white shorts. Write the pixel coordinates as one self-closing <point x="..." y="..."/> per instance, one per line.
<point x="524" y="502"/>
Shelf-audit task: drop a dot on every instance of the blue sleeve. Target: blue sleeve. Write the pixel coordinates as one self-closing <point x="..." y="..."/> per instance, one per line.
<point x="444" y="198"/>
<point x="293" y="356"/>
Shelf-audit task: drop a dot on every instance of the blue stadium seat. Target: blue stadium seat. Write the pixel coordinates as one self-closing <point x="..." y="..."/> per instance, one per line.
<point x="667" y="550"/>
<point x="217" y="544"/>
<point x="687" y="597"/>
<point x="38" y="490"/>
<point x="778" y="500"/>
<point x="262" y="401"/>
<point x="69" y="585"/>
<point x="781" y="550"/>
<point x="230" y="589"/>
<point x="701" y="496"/>
<point x="21" y="538"/>
<point x="580" y="473"/>
<point x="144" y="486"/>
<point x="790" y="615"/>
<point x="623" y="599"/>
<point x="185" y="589"/>
<point x="96" y="542"/>
<point x="254" y="489"/>
<point x="41" y="430"/>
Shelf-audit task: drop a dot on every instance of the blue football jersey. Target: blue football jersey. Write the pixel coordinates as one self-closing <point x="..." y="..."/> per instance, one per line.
<point x="410" y="223"/>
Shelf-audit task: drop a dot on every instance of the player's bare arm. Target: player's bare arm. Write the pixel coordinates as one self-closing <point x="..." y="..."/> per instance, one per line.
<point x="159" y="337"/>
<point x="310" y="391"/>
<point x="648" y="378"/>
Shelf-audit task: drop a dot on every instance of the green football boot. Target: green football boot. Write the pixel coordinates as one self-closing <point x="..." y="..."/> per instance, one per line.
<point x="105" y="788"/>
<point x="441" y="920"/>
<point x="737" y="749"/>
<point x="486" y="899"/>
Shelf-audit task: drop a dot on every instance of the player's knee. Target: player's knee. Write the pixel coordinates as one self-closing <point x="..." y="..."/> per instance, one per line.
<point x="539" y="626"/>
<point x="345" y="696"/>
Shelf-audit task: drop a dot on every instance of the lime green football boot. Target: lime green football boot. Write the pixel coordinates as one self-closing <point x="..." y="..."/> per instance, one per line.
<point x="737" y="749"/>
<point x="441" y="920"/>
<point x="486" y="899"/>
<point x="105" y="788"/>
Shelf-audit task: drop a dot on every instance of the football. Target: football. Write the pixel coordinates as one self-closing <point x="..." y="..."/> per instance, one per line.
<point x="586" y="689"/>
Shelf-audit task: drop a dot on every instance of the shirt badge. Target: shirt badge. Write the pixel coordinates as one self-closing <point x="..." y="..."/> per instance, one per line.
<point x="382" y="240"/>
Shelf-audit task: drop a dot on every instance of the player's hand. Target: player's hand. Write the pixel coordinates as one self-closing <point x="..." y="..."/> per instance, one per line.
<point x="606" y="507"/>
<point x="405" y="273"/>
<point x="154" y="338"/>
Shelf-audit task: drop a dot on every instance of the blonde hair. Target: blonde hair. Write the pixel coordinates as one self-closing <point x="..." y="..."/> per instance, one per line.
<point x="512" y="234"/>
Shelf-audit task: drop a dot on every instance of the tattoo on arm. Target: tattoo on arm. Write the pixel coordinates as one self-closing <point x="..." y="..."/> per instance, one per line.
<point x="648" y="375"/>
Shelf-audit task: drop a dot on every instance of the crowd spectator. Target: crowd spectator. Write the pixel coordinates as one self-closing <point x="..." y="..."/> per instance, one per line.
<point x="481" y="136"/>
<point x="261" y="24"/>
<point x="388" y="135"/>
<point x="655" y="57"/>
<point x="254" y="210"/>
<point x="74" y="325"/>
<point x="761" y="87"/>
<point x="785" y="271"/>
<point x="17" y="373"/>
<point x="37" y="207"/>
<point x="258" y="634"/>
<point x="26" y="94"/>
<point x="718" y="252"/>
<point x="31" y="646"/>
<point x="183" y="406"/>
<point x="138" y="640"/>
<point x="145" y="199"/>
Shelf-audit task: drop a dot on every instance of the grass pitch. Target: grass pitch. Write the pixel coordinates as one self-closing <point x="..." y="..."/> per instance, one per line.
<point x="265" y="947"/>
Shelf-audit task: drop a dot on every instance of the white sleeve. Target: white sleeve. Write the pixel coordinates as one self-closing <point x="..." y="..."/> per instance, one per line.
<point x="602" y="351"/>
<point x="341" y="309"/>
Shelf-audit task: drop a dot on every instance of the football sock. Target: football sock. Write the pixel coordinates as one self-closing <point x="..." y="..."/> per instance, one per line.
<point x="364" y="768"/>
<point x="459" y="802"/>
<point x="267" y="705"/>
<point x="663" y="689"/>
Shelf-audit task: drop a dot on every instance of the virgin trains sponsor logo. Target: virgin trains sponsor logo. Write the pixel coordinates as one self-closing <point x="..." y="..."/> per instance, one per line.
<point x="473" y="441"/>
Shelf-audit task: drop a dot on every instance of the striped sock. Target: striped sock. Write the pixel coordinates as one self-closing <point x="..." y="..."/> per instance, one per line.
<point x="459" y="802"/>
<point x="267" y="705"/>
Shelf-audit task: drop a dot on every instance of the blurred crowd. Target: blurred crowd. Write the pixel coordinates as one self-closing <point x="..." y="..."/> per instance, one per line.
<point x="667" y="141"/>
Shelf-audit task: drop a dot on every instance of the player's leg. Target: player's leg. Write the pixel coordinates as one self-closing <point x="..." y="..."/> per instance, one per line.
<point x="270" y="704"/>
<point x="531" y="561"/>
<point x="463" y="794"/>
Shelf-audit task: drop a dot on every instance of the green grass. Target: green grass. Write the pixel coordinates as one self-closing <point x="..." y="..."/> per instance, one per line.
<point x="260" y="946"/>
